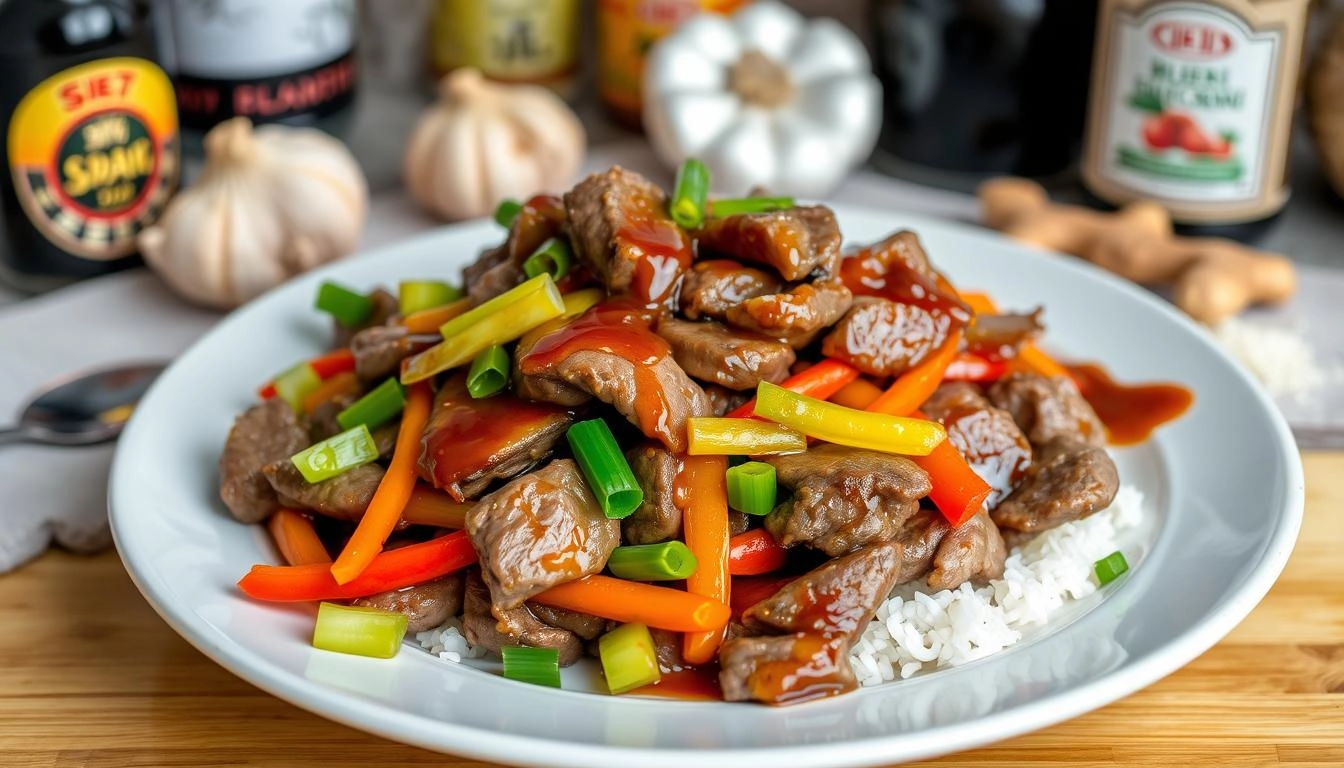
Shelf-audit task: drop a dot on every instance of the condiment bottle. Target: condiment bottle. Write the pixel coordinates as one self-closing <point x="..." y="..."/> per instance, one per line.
<point x="271" y="62"/>
<point x="1192" y="106"/>
<point x="88" y="131"/>
<point x="516" y="41"/>
<point x="626" y="30"/>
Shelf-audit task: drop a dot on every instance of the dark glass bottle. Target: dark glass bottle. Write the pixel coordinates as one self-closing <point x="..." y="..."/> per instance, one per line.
<point x="88" y="138"/>
<point x="979" y="89"/>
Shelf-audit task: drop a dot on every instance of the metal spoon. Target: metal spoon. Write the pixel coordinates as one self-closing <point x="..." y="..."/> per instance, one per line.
<point x="85" y="409"/>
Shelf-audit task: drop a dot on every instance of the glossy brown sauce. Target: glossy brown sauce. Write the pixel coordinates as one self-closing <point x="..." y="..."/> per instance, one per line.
<point x="662" y="250"/>
<point x="617" y="330"/>
<point x="693" y="683"/>
<point x="540" y="218"/>
<point x="867" y="273"/>
<point x="1130" y="412"/>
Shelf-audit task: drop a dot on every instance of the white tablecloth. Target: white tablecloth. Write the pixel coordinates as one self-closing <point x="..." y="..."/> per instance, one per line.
<point x="59" y="492"/>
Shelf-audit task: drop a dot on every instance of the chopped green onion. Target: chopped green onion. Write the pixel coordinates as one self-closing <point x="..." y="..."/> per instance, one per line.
<point x="690" y="193"/>
<point x="539" y="666"/>
<point x="378" y="406"/>
<point x="489" y="372"/>
<point x="1110" y="567"/>
<point x="629" y="660"/>
<point x="415" y="295"/>
<point x="296" y="383"/>
<point x="735" y="206"/>
<point x="752" y="488"/>
<point x="551" y="258"/>
<point x="359" y="630"/>
<point x="498" y="321"/>
<point x="506" y="212"/>
<point x="667" y="561"/>
<point x="339" y="453"/>
<point x="349" y="308"/>
<point x="608" y="473"/>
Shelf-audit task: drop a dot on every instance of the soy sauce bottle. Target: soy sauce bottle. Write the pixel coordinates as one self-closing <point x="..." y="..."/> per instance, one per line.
<point x="88" y="138"/>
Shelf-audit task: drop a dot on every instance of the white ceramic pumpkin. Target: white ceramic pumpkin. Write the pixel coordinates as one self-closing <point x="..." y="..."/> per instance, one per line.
<point x="269" y="204"/>
<point x="764" y="98"/>
<point x="483" y="142"/>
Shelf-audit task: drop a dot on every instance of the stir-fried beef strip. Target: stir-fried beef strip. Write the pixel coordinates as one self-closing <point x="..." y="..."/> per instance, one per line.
<point x="1048" y="409"/>
<point x="796" y="315"/>
<point x="426" y="605"/>
<point x="886" y="338"/>
<point x="583" y="625"/>
<point x="469" y="443"/>
<point x="1068" y="480"/>
<point x="973" y="551"/>
<point x="797" y="243"/>
<point x="621" y="232"/>
<point x="322" y="421"/>
<point x="714" y="286"/>
<point x="344" y="497"/>
<point x="491" y="627"/>
<point x="614" y="357"/>
<point x="501" y="268"/>
<point x="385" y="307"/>
<point x="667" y="647"/>
<point x="539" y="530"/>
<point x="380" y="349"/>
<point x="999" y="337"/>
<point x="657" y="518"/>
<point x="844" y="498"/>
<point x="723" y="400"/>
<point x="986" y="436"/>
<point x="711" y="352"/>
<point x="902" y="248"/>
<point x="823" y="611"/>
<point x="263" y="434"/>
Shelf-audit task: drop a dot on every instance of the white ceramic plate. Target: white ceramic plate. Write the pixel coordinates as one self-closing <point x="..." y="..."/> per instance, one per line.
<point x="1224" y="488"/>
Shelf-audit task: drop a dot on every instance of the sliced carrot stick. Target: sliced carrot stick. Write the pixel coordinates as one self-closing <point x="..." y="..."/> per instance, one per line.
<point x="913" y="387"/>
<point x="433" y="507"/>
<point x="429" y="320"/>
<point x="820" y="381"/>
<point x="1032" y="358"/>
<point x="295" y="538"/>
<point x="339" y="384"/>
<point x="980" y="303"/>
<point x="633" y="601"/>
<point x="393" y="492"/>
<point x="705" y="527"/>
<point x="859" y="393"/>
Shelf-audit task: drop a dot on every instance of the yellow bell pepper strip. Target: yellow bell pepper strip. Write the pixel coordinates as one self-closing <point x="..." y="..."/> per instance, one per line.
<point x="498" y="321"/>
<point x="820" y="381"/>
<point x="916" y="385"/>
<point x="394" y="569"/>
<point x="847" y="426"/>
<point x="384" y="510"/>
<point x="715" y="436"/>
<point x="418" y="295"/>
<point x="704" y="525"/>
<point x="633" y="601"/>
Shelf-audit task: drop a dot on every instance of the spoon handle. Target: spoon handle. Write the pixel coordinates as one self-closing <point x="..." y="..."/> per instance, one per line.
<point x="15" y="434"/>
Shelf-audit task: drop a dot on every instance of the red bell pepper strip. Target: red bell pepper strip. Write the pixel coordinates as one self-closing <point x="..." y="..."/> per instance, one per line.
<point x="392" y="569"/>
<point x="325" y="366"/>
<point x="820" y="381"/>
<point x="971" y="367"/>
<point x="747" y="591"/>
<point x="755" y="552"/>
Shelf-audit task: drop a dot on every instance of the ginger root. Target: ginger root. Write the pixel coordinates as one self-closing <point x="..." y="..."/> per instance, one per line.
<point x="1210" y="278"/>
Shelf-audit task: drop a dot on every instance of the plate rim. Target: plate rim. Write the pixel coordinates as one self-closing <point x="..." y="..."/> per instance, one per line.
<point x="445" y="736"/>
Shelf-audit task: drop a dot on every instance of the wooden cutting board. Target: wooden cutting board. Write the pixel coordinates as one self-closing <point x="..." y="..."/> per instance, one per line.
<point x="91" y="677"/>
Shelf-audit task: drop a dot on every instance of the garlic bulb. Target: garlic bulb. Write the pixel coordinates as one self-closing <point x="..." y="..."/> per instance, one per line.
<point x="484" y="142"/>
<point x="269" y="204"/>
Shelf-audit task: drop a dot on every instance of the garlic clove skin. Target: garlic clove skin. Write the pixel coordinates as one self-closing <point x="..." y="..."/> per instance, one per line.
<point x="269" y="204"/>
<point x="483" y="142"/>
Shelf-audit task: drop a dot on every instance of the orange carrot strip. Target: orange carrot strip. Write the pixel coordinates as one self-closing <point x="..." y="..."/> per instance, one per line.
<point x="820" y="381"/>
<point x="429" y="320"/>
<point x="339" y="384"/>
<point x="393" y="492"/>
<point x="633" y="601"/>
<point x="295" y="538"/>
<point x="705" y="527"/>
<point x="858" y="394"/>
<point x="432" y="507"/>
<point x="980" y="303"/>
<point x="916" y="385"/>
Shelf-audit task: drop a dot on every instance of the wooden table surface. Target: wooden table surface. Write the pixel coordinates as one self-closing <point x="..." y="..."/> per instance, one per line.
<point x="90" y="676"/>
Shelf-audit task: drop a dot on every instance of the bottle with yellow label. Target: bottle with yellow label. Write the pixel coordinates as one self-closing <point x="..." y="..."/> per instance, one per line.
<point x="517" y="41"/>
<point x="89" y="149"/>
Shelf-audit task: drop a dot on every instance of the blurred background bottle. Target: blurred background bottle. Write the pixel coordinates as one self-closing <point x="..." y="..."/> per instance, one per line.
<point x="90" y="138"/>
<point x="977" y="89"/>
<point x="517" y="41"/>
<point x="290" y="61"/>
